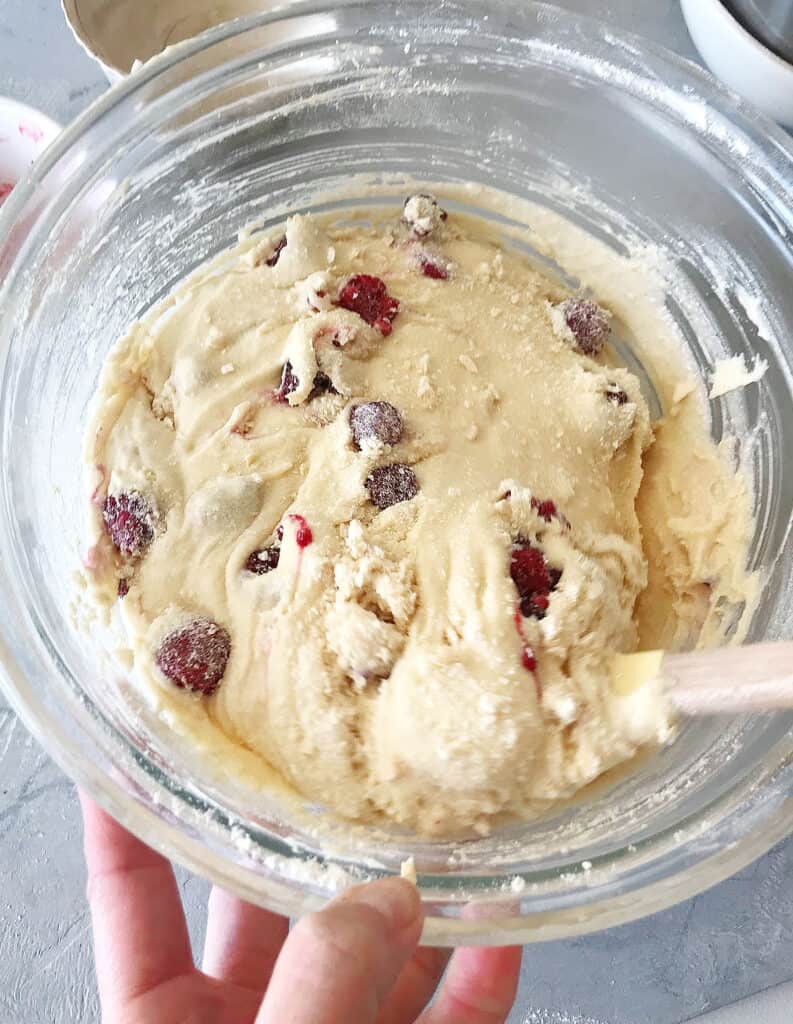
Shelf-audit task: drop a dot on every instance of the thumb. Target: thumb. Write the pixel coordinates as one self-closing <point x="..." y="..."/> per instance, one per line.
<point x="340" y="964"/>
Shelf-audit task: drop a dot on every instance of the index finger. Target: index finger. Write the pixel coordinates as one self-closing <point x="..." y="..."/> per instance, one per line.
<point x="140" y="934"/>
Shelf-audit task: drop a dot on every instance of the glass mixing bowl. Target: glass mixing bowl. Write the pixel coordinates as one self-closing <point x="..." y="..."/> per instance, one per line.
<point x="260" y="117"/>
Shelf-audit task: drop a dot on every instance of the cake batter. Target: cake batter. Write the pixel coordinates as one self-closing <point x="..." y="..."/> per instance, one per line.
<point x="378" y="506"/>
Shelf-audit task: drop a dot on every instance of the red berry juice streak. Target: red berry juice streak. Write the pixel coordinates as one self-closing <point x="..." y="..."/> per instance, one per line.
<point x="95" y="557"/>
<point x="246" y="435"/>
<point x="303" y="537"/>
<point x="99" y="494"/>
<point x="527" y="659"/>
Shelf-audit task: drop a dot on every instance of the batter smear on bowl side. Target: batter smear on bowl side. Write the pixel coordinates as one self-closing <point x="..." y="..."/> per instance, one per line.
<point x="377" y="502"/>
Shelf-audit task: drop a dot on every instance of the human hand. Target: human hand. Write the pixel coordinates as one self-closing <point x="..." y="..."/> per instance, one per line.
<point x="354" y="962"/>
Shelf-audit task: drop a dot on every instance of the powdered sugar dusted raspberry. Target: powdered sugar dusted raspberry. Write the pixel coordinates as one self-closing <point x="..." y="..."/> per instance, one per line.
<point x="194" y="657"/>
<point x="263" y="560"/>
<point x="375" y="421"/>
<point x="129" y="520"/>
<point x="275" y="255"/>
<point x="389" y="485"/>
<point x="422" y="214"/>
<point x="368" y="297"/>
<point x="588" y="323"/>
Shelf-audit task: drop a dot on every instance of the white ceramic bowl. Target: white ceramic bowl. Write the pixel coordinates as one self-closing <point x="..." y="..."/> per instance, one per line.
<point x="739" y="60"/>
<point x="24" y="133"/>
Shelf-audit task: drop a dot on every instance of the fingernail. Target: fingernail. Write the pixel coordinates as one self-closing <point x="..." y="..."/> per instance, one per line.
<point x="395" y="898"/>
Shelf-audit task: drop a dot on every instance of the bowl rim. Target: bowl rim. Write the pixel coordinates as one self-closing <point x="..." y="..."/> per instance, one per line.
<point x="171" y="839"/>
<point x="728" y="19"/>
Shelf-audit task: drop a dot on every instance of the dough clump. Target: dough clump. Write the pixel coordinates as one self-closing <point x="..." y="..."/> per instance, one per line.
<point x="400" y="473"/>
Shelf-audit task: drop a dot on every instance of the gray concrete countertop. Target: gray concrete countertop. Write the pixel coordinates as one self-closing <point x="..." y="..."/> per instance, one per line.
<point x="723" y="945"/>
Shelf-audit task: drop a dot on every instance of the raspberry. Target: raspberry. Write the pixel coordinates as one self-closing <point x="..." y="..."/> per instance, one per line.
<point x="529" y="570"/>
<point x="368" y="297"/>
<point x="303" y="534"/>
<point x="378" y="420"/>
<point x="430" y="268"/>
<point x="323" y="385"/>
<point x="129" y="520"/>
<point x="422" y="214"/>
<point x="389" y="485"/>
<point x="274" y="257"/>
<point x="528" y="659"/>
<point x="588" y="323"/>
<point x="194" y="657"/>
<point x="615" y="394"/>
<point x="533" y="578"/>
<point x="289" y="383"/>
<point x="263" y="560"/>
<point x="545" y="509"/>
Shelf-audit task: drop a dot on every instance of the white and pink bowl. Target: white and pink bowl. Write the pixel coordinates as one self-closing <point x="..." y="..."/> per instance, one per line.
<point x="24" y="134"/>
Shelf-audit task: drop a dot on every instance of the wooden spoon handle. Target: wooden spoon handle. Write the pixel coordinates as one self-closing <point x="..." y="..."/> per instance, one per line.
<point x="731" y="680"/>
